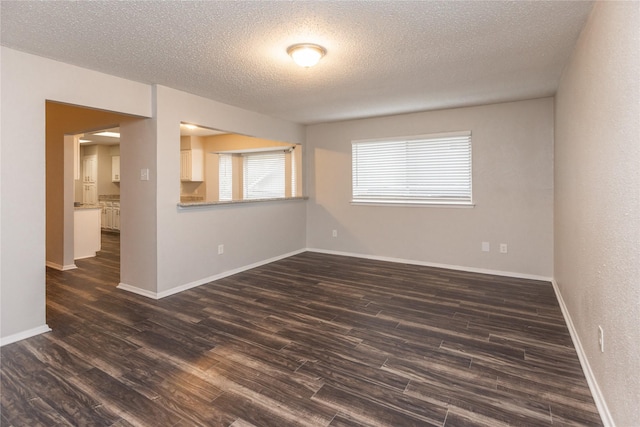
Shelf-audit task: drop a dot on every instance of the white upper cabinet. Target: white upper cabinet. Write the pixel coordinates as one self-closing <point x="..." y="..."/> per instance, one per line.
<point x="90" y="168"/>
<point x="115" y="168"/>
<point x="191" y="165"/>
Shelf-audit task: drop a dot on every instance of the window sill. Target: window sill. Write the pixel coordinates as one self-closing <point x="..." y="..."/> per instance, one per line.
<point x="189" y="205"/>
<point x="412" y="204"/>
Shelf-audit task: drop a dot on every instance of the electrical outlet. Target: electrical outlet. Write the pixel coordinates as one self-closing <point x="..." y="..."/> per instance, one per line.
<point x="334" y="233"/>
<point x="503" y="248"/>
<point x="601" y="338"/>
<point x="486" y="247"/>
<point x="220" y="249"/>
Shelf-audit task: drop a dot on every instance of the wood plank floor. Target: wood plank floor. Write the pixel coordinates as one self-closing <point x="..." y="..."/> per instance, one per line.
<point x="311" y="340"/>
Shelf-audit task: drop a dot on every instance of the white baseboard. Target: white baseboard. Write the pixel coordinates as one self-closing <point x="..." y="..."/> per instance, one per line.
<point x="436" y="265"/>
<point x="24" y="334"/>
<point x="137" y="291"/>
<point x="200" y="282"/>
<point x="598" y="397"/>
<point x="60" y="267"/>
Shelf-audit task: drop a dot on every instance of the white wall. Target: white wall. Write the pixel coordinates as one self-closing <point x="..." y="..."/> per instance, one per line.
<point x="27" y="81"/>
<point x="188" y="238"/>
<point x="597" y="200"/>
<point x="512" y="147"/>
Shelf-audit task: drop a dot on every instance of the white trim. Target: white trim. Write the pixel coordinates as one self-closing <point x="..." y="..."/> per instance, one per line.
<point x="85" y="256"/>
<point x="24" y="334"/>
<point x="200" y="282"/>
<point x="138" y="291"/>
<point x="408" y="204"/>
<point x="60" y="267"/>
<point x="228" y="273"/>
<point x="451" y="134"/>
<point x="436" y="265"/>
<point x="597" y="394"/>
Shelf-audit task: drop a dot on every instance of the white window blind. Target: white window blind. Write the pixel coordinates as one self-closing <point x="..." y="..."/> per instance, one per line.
<point x="425" y="169"/>
<point x="264" y="175"/>
<point x="225" y="177"/>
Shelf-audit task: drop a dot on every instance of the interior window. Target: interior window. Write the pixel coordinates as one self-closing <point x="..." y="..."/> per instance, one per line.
<point x="218" y="166"/>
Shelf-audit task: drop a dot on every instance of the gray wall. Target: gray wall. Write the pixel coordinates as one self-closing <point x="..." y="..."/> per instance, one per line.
<point x="188" y="238"/>
<point x="138" y="216"/>
<point x="512" y="147"/>
<point x="162" y="248"/>
<point x="27" y="82"/>
<point x="597" y="200"/>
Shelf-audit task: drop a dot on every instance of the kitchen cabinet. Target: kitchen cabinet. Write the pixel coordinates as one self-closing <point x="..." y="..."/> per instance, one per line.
<point x="107" y="222"/>
<point x="86" y="232"/>
<point x="89" y="194"/>
<point x="116" y="216"/>
<point x="103" y="214"/>
<point x="110" y="218"/>
<point x="90" y="169"/>
<point x="191" y="165"/>
<point x="115" y="168"/>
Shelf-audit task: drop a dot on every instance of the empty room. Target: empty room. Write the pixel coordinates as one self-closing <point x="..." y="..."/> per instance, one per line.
<point x="313" y="213"/>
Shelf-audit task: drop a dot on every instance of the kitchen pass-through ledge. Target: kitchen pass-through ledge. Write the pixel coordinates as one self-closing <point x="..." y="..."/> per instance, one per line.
<point x="187" y="205"/>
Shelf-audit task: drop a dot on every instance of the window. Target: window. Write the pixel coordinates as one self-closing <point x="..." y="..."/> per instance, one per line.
<point x="293" y="176"/>
<point x="423" y="169"/>
<point x="222" y="167"/>
<point x="225" y="177"/>
<point x="263" y="176"/>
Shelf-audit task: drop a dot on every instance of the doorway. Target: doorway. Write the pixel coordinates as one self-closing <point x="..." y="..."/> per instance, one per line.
<point x="65" y="180"/>
<point x="97" y="185"/>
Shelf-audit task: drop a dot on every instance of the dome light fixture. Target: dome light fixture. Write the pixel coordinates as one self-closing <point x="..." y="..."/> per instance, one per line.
<point x="306" y="54"/>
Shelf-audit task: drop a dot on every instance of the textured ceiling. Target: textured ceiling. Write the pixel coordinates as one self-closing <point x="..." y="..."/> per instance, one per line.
<point x="384" y="57"/>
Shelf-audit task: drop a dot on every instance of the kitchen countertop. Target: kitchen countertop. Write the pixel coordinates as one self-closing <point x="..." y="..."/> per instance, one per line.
<point x="191" y="199"/>
<point x="83" y="206"/>
<point x="183" y="205"/>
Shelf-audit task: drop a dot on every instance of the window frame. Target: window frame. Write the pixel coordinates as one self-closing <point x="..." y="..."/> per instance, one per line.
<point x="403" y="198"/>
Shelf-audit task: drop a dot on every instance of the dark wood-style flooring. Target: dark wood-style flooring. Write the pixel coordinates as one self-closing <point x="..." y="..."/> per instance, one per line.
<point x="311" y="340"/>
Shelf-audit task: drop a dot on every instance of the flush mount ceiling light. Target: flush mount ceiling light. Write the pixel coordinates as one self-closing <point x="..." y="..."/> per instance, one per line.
<point x="306" y="54"/>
